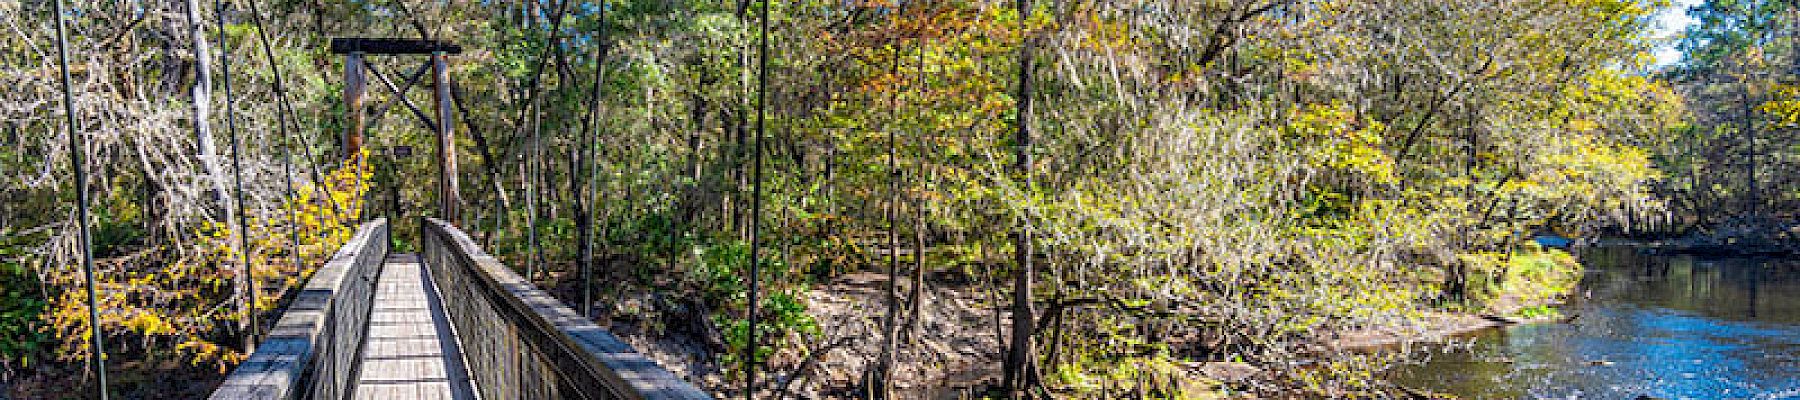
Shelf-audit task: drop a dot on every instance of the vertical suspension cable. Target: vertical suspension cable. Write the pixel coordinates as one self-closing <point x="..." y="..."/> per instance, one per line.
<point x="282" y="104"/>
<point x="532" y="96"/>
<point x="593" y="167"/>
<point x="237" y="181"/>
<point x="282" y="116"/>
<point x="762" y="89"/>
<point x="533" y="171"/>
<point x="77" y="162"/>
<point x="531" y="191"/>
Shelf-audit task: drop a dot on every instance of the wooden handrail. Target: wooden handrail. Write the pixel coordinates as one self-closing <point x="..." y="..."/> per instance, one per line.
<point x="520" y="342"/>
<point x="312" y="351"/>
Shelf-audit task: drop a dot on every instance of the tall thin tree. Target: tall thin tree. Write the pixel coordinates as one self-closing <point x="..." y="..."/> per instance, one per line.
<point x="890" y="324"/>
<point x="916" y="299"/>
<point x="1018" y="357"/>
<point x="590" y="194"/>
<point x="201" y="93"/>
<point x="756" y="198"/>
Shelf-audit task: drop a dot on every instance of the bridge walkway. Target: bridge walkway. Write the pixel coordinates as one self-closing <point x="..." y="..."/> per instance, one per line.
<point x="451" y="322"/>
<point x="410" y="350"/>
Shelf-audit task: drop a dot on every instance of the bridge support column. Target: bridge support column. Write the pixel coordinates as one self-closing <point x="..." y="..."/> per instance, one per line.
<point x="448" y="194"/>
<point x="355" y="84"/>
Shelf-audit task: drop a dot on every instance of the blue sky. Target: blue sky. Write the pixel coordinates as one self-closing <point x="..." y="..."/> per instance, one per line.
<point x="1670" y="23"/>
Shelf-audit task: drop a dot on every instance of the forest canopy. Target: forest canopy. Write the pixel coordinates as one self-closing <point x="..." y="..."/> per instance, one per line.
<point x="1135" y="188"/>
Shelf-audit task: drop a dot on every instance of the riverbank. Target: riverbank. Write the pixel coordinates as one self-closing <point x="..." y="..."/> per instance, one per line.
<point x="1434" y="326"/>
<point x="956" y="352"/>
<point x="1748" y="236"/>
<point x="1525" y="287"/>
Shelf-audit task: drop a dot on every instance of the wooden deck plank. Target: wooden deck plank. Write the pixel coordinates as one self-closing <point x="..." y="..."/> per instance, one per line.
<point x="410" y="351"/>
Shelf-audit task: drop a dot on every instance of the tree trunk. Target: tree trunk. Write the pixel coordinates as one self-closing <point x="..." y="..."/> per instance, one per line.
<point x="201" y="92"/>
<point x="1749" y="128"/>
<point x="890" y="326"/>
<point x="1019" y="356"/>
<point x="740" y="131"/>
<point x="917" y="299"/>
<point x="691" y="192"/>
<point x="207" y="151"/>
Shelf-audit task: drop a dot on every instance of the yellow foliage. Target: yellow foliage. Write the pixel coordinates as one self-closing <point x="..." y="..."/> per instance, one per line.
<point x="182" y="303"/>
<point x="1784" y="105"/>
<point x="148" y="324"/>
<point x="1340" y="141"/>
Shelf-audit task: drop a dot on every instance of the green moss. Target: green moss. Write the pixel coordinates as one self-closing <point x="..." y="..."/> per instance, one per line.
<point x="1158" y="375"/>
<point x="1540" y="311"/>
<point x="1536" y="275"/>
<point x="1527" y="276"/>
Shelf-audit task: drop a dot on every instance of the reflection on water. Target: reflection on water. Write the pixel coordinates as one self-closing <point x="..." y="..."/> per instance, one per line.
<point x="1665" y="327"/>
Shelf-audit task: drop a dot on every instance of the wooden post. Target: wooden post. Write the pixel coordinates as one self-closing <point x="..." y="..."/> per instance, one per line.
<point x="448" y="197"/>
<point x="355" y="84"/>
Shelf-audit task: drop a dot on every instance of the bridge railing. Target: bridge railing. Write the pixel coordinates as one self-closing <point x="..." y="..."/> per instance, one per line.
<point x="312" y="351"/>
<point x="521" y="343"/>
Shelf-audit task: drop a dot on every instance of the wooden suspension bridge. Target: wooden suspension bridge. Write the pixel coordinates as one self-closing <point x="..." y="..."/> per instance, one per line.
<point x="450" y="322"/>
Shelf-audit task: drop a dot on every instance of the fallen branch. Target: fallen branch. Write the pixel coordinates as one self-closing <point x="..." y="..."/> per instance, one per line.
<point x="812" y="359"/>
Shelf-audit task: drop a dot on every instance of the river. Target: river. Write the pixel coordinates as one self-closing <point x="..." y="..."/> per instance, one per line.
<point x="1646" y="325"/>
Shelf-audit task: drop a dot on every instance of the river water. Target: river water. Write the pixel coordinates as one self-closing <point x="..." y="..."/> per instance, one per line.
<point x="1647" y="325"/>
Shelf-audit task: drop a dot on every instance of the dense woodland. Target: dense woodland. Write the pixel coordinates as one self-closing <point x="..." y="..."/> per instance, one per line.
<point x="1728" y="164"/>
<point x="1127" y="196"/>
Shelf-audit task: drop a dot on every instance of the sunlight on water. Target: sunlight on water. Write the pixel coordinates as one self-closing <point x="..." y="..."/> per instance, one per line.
<point x="1663" y="327"/>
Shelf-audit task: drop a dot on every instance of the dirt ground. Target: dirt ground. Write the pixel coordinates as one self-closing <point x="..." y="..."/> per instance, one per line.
<point x="953" y="354"/>
<point x="1433" y="326"/>
<point x="954" y="351"/>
